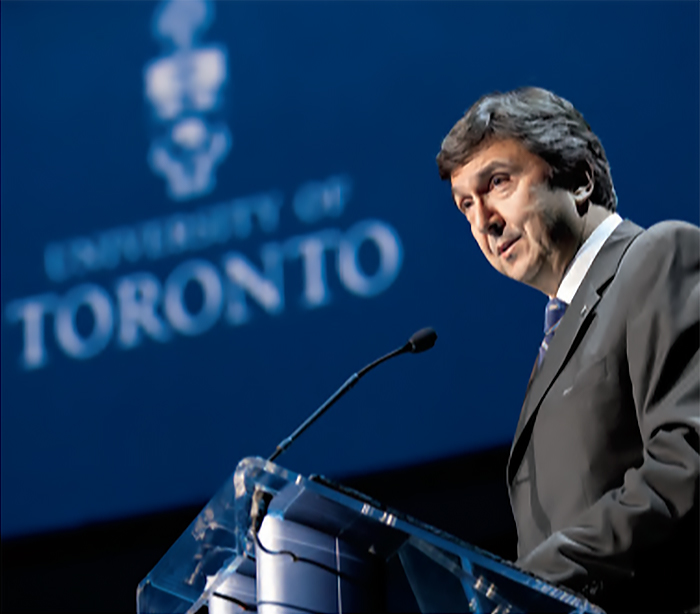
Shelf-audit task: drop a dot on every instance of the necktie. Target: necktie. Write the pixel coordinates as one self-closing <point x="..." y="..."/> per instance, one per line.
<point x="553" y="314"/>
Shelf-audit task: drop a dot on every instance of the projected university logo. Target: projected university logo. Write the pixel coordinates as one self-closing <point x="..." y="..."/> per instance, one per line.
<point x="250" y="267"/>
<point x="235" y="286"/>
<point x="184" y="88"/>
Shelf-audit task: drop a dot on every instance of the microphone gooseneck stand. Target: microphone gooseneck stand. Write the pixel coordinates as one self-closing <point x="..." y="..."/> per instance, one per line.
<point x="423" y="340"/>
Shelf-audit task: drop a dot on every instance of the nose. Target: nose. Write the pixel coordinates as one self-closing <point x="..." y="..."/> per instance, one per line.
<point x="486" y="219"/>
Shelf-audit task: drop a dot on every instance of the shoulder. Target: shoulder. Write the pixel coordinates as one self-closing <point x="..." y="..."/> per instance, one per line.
<point x="669" y="236"/>
<point x="666" y="246"/>
<point x="660" y="271"/>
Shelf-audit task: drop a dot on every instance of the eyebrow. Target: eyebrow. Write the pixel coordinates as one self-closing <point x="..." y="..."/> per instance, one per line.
<point x="489" y="168"/>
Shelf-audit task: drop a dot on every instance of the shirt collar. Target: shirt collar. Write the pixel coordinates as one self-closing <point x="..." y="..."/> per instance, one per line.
<point x="584" y="258"/>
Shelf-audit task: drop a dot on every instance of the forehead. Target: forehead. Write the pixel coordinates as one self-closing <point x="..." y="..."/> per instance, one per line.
<point x="507" y="152"/>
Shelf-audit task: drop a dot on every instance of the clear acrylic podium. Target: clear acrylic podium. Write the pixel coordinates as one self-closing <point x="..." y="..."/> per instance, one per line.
<point x="275" y="542"/>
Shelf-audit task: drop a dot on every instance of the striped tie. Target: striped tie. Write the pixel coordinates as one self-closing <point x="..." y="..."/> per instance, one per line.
<point x="553" y="314"/>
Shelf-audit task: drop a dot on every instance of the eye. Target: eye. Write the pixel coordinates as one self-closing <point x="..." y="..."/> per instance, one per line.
<point x="498" y="180"/>
<point x="464" y="205"/>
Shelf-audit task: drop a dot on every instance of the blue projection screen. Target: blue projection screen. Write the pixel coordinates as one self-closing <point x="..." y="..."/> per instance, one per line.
<point x="214" y="213"/>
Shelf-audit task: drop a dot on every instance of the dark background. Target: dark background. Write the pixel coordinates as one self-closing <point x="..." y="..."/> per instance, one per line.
<point x="105" y="461"/>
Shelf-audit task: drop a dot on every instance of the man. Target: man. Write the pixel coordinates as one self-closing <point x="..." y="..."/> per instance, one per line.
<point x="603" y="471"/>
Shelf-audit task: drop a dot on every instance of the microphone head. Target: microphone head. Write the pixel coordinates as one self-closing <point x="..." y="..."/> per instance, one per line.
<point x="423" y="340"/>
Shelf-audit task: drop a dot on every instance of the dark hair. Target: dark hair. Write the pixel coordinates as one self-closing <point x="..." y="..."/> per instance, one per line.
<point x="547" y="125"/>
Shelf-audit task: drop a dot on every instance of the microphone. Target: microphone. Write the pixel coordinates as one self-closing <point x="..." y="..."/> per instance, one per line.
<point x="423" y="340"/>
<point x="420" y="341"/>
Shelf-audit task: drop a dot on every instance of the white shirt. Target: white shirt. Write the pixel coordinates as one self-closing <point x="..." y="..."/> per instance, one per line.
<point x="585" y="256"/>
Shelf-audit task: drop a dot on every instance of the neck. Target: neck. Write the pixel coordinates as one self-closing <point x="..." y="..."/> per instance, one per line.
<point x="591" y="220"/>
<point x="588" y="222"/>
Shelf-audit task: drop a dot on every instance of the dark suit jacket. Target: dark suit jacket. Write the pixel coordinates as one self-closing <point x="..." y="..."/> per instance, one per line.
<point x="603" y="472"/>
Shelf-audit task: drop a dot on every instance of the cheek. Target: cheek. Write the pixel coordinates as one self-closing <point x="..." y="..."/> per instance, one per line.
<point x="536" y="230"/>
<point x="483" y="244"/>
<point x="480" y="239"/>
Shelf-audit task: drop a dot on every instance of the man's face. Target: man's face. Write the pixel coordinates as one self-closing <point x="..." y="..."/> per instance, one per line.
<point x="527" y="230"/>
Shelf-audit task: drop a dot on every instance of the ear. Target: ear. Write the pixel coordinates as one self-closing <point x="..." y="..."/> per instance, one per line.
<point x="583" y="193"/>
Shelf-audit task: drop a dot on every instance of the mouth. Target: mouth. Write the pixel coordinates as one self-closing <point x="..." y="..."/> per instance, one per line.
<point x="504" y="248"/>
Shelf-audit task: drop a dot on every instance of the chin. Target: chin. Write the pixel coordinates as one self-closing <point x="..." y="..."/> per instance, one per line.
<point x="523" y="274"/>
<point x="513" y="275"/>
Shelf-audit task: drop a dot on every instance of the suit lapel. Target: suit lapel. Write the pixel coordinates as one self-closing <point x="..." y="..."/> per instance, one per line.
<point x="569" y="334"/>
